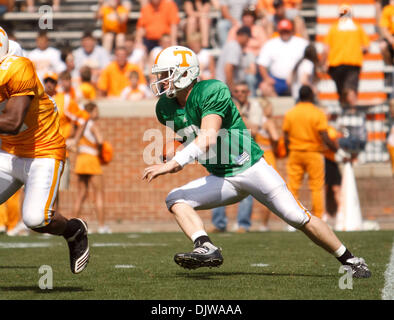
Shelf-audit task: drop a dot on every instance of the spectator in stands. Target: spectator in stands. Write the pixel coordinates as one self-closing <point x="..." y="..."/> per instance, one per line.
<point x="304" y="72"/>
<point x="234" y="64"/>
<point x="136" y="54"/>
<point x="30" y="5"/>
<point x="88" y="168"/>
<point x="231" y="14"/>
<point x="205" y="57"/>
<point x="258" y="33"/>
<point x="91" y="54"/>
<point x="273" y="11"/>
<point x="115" y="77"/>
<point x="114" y="16"/>
<point x="305" y="130"/>
<point x="267" y="137"/>
<point x="158" y="17"/>
<point x="345" y="61"/>
<point x="198" y="19"/>
<point x="386" y="24"/>
<point x="44" y="57"/>
<point x="252" y="116"/>
<point x="85" y="90"/>
<point x="136" y="91"/>
<point x="68" y="58"/>
<point x="277" y="59"/>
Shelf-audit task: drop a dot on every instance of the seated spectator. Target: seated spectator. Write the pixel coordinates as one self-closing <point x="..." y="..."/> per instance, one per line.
<point x="274" y="11"/>
<point x="205" y="57"/>
<point x="386" y="24"/>
<point x="115" y="77"/>
<point x="86" y="90"/>
<point x="277" y="59"/>
<point x="114" y="16"/>
<point x="198" y="19"/>
<point x="91" y="54"/>
<point x="30" y="5"/>
<point x="304" y="72"/>
<point x="136" y="54"/>
<point x="68" y="58"/>
<point x="234" y="64"/>
<point x="136" y="91"/>
<point x="44" y="57"/>
<point x="158" y="17"/>
<point x="258" y="37"/>
<point x="231" y="14"/>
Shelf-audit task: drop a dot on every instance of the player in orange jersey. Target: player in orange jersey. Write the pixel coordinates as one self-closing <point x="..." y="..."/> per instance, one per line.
<point x="32" y="153"/>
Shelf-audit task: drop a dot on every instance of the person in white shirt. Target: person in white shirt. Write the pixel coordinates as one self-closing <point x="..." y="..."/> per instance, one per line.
<point x="46" y="58"/>
<point x="277" y="59"/>
<point x="92" y="55"/>
<point x="304" y="72"/>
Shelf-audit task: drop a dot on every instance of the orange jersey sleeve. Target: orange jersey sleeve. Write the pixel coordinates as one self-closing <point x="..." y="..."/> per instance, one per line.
<point x="39" y="136"/>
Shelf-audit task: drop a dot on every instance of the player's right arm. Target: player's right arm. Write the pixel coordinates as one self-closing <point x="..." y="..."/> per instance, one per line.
<point x="16" y="108"/>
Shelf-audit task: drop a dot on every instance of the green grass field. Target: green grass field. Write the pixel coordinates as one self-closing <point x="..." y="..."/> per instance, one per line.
<point x="272" y="265"/>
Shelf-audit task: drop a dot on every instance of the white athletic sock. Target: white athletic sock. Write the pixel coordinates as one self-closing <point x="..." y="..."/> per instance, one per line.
<point x="340" y="251"/>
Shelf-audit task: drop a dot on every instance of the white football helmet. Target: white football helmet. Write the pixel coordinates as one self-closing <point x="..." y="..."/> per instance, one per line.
<point x="176" y="68"/>
<point x="15" y="49"/>
<point x="3" y="43"/>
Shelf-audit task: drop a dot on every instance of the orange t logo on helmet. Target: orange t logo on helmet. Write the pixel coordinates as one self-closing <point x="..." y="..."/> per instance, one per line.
<point x="3" y="32"/>
<point x="183" y="53"/>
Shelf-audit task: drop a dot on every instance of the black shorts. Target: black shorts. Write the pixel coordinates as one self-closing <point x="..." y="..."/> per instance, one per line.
<point x="332" y="174"/>
<point x="194" y="2"/>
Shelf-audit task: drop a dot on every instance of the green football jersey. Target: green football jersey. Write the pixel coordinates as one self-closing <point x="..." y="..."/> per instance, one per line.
<point x="235" y="150"/>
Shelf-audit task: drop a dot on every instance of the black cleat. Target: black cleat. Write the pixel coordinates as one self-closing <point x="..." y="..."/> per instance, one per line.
<point x="78" y="246"/>
<point x="205" y="256"/>
<point x="359" y="267"/>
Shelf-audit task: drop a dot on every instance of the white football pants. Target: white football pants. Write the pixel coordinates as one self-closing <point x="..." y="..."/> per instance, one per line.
<point x="260" y="180"/>
<point x="41" y="177"/>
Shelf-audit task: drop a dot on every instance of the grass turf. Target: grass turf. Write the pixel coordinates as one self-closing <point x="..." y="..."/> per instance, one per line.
<point x="139" y="266"/>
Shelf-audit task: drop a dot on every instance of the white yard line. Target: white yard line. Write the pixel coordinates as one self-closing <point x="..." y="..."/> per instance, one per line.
<point x="388" y="290"/>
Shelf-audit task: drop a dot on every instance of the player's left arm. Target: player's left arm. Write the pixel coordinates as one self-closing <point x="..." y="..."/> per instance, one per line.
<point x="14" y="113"/>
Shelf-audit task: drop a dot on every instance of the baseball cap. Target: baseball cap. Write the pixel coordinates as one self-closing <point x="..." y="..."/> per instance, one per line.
<point x="285" y="24"/>
<point x="51" y="75"/>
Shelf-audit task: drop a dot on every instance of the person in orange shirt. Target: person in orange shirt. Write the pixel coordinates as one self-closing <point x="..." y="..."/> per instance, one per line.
<point x="33" y="152"/>
<point x="345" y="61"/>
<point x="386" y="24"/>
<point x="157" y="18"/>
<point x="259" y="35"/>
<point x="305" y="131"/>
<point x="88" y="167"/>
<point x="136" y="91"/>
<point x="115" y="77"/>
<point x="10" y="216"/>
<point x="114" y="17"/>
<point x="86" y="90"/>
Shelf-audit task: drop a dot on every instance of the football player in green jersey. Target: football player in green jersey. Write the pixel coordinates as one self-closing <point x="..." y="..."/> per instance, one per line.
<point x="217" y="137"/>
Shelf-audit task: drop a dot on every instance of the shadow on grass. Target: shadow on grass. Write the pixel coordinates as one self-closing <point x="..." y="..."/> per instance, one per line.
<point x="219" y="274"/>
<point x="36" y="289"/>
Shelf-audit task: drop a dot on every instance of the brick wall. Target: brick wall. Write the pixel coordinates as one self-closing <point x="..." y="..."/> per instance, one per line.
<point x="127" y="197"/>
